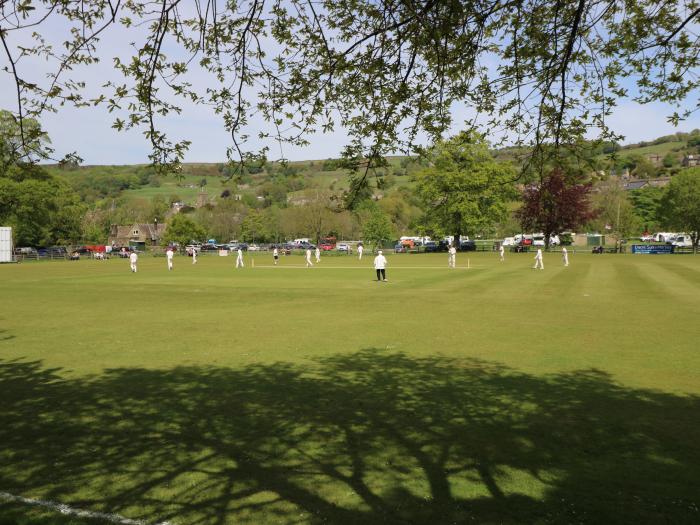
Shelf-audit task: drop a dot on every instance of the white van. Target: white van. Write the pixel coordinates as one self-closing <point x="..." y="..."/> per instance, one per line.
<point x="682" y="240"/>
<point x="663" y="236"/>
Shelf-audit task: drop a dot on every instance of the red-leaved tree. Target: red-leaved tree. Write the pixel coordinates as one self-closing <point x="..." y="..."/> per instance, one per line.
<point x="555" y="205"/>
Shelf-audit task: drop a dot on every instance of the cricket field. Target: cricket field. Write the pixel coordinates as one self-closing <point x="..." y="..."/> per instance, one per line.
<point x="491" y="393"/>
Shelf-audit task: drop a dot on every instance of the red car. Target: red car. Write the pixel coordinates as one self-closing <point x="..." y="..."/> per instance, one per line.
<point x="326" y="246"/>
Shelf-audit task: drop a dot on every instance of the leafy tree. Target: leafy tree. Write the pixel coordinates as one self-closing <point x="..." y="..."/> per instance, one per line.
<point x="377" y="229"/>
<point x="159" y="208"/>
<point x="670" y="160"/>
<point x="182" y="230"/>
<point x="254" y="227"/>
<point x="555" y="205"/>
<point x="614" y="211"/>
<point x="647" y="202"/>
<point x="680" y="205"/>
<point x="464" y="191"/>
<point x="643" y="168"/>
<point x="21" y="140"/>
<point x="316" y="214"/>
<point x="42" y="209"/>
<point x="384" y="70"/>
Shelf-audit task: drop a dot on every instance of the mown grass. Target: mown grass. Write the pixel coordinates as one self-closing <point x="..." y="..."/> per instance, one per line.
<point x="494" y="394"/>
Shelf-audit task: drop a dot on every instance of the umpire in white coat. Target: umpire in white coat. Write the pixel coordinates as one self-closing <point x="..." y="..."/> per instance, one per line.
<point x="380" y="266"/>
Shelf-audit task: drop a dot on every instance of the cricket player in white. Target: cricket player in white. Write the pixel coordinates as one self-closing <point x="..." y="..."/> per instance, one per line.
<point x="275" y="255"/>
<point x="452" y="257"/>
<point x="565" y="256"/>
<point x="133" y="259"/>
<point x="309" y="264"/>
<point x="502" y="253"/>
<point x="194" y="255"/>
<point x="239" y="258"/>
<point x="360" y="249"/>
<point x="538" y="260"/>
<point x="318" y="254"/>
<point x="380" y="266"/>
<point x="169" y="256"/>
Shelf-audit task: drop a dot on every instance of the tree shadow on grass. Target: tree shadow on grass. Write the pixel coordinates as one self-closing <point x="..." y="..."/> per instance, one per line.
<point x="369" y="437"/>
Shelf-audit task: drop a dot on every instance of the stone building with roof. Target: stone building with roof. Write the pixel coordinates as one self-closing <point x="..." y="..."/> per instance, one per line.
<point x="149" y="234"/>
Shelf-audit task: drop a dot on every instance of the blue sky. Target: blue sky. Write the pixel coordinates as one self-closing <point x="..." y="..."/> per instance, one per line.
<point x="88" y="131"/>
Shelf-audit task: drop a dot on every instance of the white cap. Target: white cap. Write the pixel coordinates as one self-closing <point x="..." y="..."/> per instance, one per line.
<point x="379" y="252"/>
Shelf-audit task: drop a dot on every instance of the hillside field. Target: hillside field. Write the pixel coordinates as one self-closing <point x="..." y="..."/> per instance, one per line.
<point x="488" y="394"/>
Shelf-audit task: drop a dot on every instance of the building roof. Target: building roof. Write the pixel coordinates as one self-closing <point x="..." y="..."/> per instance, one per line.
<point x="636" y="184"/>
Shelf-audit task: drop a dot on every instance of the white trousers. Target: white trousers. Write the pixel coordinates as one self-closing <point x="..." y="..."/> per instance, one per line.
<point x="133" y="267"/>
<point x="539" y="264"/>
<point x="239" y="262"/>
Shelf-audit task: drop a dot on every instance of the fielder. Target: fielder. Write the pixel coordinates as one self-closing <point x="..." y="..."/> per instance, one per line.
<point x="275" y="255"/>
<point x="239" y="258"/>
<point x="452" y="257"/>
<point x="538" y="260"/>
<point x="318" y="255"/>
<point x="309" y="264"/>
<point x="360" y="249"/>
<point x="194" y="256"/>
<point x="133" y="259"/>
<point x="380" y="266"/>
<point x="565" y="256"/>
<point x="169" y="256"/>
<point x="502" y="253"/>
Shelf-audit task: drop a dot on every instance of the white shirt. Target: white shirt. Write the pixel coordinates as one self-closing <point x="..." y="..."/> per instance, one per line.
<point x="538" y="255"/>
<point x="133" y="257"/>
<point x="308" y="254"/>
<point x="563" y="251"/>
<point x="453" y="250"/>
<point x="360" y="248"/>
<point x="275" y="253"/>
<point x="169" y="254"/>
<point x="379" y="262"/>
<point x="240" y="253"/>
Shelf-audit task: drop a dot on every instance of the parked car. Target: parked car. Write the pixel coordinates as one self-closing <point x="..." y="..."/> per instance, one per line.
<point x="327" y="246"/>
<point x="509" y="241"/>
<point x="431" y="246"/>
<point x="399" y="248"/>
<point x="538" y="240"/>
<point x="467" y="246"/>
<point x="647" y="238"/>
<point x="342" y="247"/>
<point x="209" y="247"/>
<point x="254" y="248"/>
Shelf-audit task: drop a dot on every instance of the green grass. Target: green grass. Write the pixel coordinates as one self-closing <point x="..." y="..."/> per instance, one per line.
<point x="494" y="394"/>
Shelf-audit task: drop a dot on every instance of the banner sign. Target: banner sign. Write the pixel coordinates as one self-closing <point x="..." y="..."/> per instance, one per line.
<point x="652" y="248"/>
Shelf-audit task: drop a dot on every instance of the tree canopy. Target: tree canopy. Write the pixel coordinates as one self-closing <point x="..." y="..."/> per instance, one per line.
<point x="555" y="205"/>
<point x="680" y="205"/>
<point x="388" y="72"/>
<point x="464" y="191"/>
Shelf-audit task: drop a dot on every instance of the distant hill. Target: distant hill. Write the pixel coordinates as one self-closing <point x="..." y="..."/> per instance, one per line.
<point x="662" y="156"/>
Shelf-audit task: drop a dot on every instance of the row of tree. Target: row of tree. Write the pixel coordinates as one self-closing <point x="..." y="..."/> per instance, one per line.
<point x="460" y="190"/>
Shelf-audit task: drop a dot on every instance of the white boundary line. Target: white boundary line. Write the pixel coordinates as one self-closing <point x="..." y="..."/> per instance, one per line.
<point x="392" y="268"/>
<point x="70" y="511"/>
